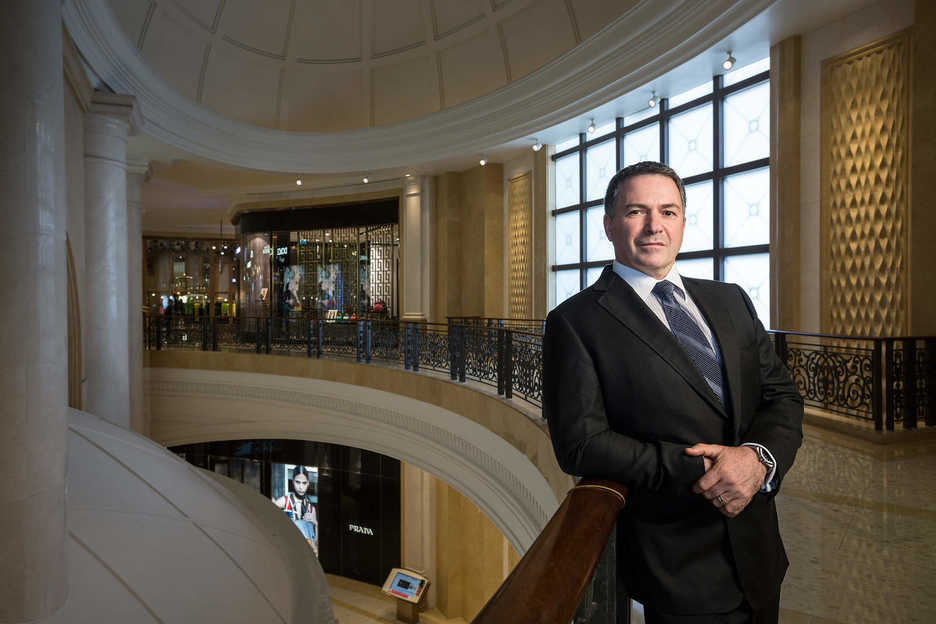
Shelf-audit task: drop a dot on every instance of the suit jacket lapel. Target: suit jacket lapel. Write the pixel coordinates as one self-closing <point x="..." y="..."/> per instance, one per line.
<point x="724" y="333"/>
<point x="623" y="303"/>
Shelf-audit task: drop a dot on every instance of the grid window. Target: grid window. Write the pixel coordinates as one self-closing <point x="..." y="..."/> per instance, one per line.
<point x="716" y="136"/>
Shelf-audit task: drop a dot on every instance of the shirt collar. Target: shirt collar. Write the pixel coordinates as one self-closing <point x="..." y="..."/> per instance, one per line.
<point x="643" y="284"/>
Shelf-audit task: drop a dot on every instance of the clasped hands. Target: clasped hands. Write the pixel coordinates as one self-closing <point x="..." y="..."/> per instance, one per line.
<point x="733" y="475"/>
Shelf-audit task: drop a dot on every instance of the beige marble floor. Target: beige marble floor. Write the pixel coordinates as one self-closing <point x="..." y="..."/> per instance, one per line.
<point x="859" y="523"/>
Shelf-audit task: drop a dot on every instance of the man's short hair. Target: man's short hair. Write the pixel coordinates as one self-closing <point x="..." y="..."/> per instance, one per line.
<point x="647" y="167"/>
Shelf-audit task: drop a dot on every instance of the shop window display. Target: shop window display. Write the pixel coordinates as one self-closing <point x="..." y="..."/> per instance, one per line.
<point x="190" y="276"/>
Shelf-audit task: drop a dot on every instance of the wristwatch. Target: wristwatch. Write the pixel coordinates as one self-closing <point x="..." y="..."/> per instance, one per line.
<point x="764" y="458"/>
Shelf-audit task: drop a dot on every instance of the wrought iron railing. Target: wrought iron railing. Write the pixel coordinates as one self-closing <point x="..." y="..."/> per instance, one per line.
<point x="507" y="359"/>
<point x="886" y="382"/>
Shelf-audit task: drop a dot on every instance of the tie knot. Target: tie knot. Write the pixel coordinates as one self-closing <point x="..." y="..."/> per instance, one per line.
<point x="665" y="290"/>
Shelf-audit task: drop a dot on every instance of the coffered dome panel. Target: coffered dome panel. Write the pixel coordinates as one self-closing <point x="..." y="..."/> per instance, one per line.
<point x="590" y="17"/>
<point x="305" y="104"/>
<point x="450" y="16"/>
<point x="172" y="43"/>
<point x="241" y="85"/>
<point x="263" y="28"/>
<point x="537" y="35"/>
<point x="470" y="65"/>
<point x="397" y="26"/>
<point x="327" y="31"/>
<point x="404" y="90"/>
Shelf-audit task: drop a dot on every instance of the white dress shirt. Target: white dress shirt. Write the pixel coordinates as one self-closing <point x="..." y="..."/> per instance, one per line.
<point x="643" y="285"/>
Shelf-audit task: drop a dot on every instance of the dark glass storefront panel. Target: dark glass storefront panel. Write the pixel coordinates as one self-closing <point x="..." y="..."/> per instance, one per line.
<point x="358" y="496"/>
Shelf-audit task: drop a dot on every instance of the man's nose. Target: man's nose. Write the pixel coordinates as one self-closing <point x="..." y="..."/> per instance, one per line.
<point x="653" y="223"/>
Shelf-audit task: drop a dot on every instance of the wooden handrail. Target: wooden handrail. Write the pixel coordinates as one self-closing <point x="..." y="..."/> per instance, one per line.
<point x="547" y="585"/>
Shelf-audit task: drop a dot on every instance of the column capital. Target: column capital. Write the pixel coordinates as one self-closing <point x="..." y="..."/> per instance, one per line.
<point x="119" y="106"/>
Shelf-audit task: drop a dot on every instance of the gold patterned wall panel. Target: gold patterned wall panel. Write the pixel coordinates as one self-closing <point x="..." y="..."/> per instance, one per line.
<point x="865" y="182"/>
<point x="520" y="242"/>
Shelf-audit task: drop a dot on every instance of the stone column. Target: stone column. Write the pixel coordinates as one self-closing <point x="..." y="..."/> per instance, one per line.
<point x="415" y="247"/>
<point x="136" y="176"/>
<point x="107" y="125"/>
<point x="33" y="357"/>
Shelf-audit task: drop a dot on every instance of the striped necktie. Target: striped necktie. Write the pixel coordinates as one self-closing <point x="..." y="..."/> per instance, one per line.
<point x="690" y="336"/>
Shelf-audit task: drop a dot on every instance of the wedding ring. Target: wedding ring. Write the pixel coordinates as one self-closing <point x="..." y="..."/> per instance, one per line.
<point x="721" y="501"/>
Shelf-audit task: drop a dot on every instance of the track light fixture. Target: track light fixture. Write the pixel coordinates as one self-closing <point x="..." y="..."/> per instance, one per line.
<point x="591" y="126"/>
<point x="298" y="181"/>
<point x="537" y="146"/>
<point x="652" y="102"/>
<point x="365" y="180"/>
<point x="482" y="162"/>
<point x="729" y="62"/>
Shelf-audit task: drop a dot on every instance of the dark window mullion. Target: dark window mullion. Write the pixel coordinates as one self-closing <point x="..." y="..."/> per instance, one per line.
<point x="717" y="159"/>
<point x="664" y="131"/>
<point x="582" y="237"/>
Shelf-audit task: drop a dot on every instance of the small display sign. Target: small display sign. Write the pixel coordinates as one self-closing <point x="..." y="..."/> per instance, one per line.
<point x="405" y="585"/>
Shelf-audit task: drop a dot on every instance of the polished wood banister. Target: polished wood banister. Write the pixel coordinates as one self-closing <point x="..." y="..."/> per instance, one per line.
<point x="547" y="585"/>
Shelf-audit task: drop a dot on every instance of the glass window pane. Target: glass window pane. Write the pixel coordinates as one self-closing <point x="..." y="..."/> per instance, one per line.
<point x="600" y="165"/>
<point x="603" y="129"/>
<point x="691" y="94"/>
<point x="564" y="145"/>
<point x="567" y="238"/>
<point x="599" y="247"/>
<point x="640" y="115"/>
<point x="703" y="268"/>
<point x="747" y="71"/>
<point x="592" y="275"/>
<point x="699" y="223"/>
<point x="752" y="273"/>
<point x="567" y="284"/>
<point x="690" y="141"/>
<point x="567" y="180"/>
<point x="643" y="144"/>
<point x="747" y="208"/>
<point x="747" y="125"/>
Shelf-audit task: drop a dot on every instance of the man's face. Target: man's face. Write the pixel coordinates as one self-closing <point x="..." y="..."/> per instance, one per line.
<point x="647" y="227"/>
<point x="300" y="484"/>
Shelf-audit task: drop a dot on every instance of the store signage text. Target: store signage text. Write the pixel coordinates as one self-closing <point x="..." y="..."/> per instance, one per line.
<point x="359" y="529"/>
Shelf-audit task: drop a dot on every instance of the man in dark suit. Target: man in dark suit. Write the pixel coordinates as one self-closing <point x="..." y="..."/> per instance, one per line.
<point x="671" y="386"/>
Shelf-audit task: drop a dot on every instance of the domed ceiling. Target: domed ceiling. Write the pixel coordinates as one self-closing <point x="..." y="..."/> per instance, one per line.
<point x="335" y="65"/>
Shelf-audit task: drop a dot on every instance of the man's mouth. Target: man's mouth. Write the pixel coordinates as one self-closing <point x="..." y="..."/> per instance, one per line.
<point x="651" y="244"/>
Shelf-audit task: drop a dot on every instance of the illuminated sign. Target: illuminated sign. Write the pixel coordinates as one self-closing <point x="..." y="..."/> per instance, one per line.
<point x="359" y="529"/>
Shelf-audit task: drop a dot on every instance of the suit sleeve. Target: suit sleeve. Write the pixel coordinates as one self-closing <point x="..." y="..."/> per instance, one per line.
<point x="582" y="439"/>
<point x="778" y="421"/>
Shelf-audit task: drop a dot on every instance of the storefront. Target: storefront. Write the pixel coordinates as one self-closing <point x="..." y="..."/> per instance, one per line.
<point x="320" y="262"/>
<point x="184" y="276"/>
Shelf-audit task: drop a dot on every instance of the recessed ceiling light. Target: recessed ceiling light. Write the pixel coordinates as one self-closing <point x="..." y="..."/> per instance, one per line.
<point x="298" y="181"/>
<point x="729" y="62"/>
<point x="365" y="180"/>
<point x="482" y="162"/>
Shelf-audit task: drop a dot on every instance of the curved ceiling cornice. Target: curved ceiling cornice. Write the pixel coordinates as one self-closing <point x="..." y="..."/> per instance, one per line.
<point x="645" y="42"/>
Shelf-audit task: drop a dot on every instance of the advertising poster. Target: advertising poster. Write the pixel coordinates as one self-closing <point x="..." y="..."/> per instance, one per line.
<point x="295" y="491"/>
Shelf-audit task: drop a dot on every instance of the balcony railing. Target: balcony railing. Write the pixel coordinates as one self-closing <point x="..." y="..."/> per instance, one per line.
<point x="884" y="382"/>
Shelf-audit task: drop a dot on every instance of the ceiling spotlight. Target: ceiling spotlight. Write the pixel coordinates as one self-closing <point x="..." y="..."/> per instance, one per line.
<point x="729" y="62"/>
<point x="365" y="180"/>
<point x="537" y="146"/>
<point x="298" y="181"/>
<point x="409" y="175"/>
<point x="653" y="99"/>
<point x="591" y="126"/>
<point x="482" y="162"/>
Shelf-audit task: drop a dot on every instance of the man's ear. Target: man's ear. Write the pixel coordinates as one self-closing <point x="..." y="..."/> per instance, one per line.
<point x="608" y="226"/>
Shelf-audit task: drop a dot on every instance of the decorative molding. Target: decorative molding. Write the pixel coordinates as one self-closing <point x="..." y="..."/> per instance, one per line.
<point x="485" y="468"/>
<point x="118" y="106"/>
<point x="865" y="189"/>
<point x="643" y="44"/>
<point x="75" y="76"/>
